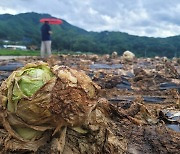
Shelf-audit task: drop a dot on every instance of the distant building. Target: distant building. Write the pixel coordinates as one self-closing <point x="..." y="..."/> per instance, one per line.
<point x="14" y="47"/>
<point x="6" y="41"/>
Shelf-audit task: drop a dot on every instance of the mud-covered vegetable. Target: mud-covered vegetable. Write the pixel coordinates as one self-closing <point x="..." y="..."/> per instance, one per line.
<point x="37" y="98"/>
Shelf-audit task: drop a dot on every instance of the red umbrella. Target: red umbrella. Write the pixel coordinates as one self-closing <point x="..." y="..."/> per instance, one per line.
<point x="52" y="21"/>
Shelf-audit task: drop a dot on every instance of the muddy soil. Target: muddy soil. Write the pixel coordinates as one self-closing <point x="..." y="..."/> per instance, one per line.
<point x="139" y="109"/>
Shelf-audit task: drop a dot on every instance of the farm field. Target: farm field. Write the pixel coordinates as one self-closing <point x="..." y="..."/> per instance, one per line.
<point x="139" y="107"/>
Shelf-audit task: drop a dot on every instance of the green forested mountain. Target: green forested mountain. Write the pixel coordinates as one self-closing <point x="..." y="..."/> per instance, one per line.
<point x="25" y="29"/>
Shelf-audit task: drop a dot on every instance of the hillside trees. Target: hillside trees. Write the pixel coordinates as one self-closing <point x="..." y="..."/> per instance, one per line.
<point x="25" y="28"/>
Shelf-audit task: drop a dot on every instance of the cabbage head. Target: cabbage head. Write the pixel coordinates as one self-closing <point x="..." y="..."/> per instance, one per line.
<point x="37" y="98"/>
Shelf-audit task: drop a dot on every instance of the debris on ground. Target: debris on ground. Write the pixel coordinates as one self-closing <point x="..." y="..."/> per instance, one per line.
<point x="90" y="104"/>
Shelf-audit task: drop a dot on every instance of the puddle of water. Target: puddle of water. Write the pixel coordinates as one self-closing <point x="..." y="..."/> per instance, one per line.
<point x="125" y="81"/>
<point x="147" y="99"/>
<point x="173" y="115"/>
<point x="174" y="127"/>
<point x="169" y="85"/>
<point x="171" y="118"/>
<point x="123" y="85"/>
<point x="150" y="99"/>
<point x="106" y="66"/>
<point x="10" y="66"/>
<point x="124" y="102"/>
<point x="153" y="99"/>
<point x="121" y="99"/>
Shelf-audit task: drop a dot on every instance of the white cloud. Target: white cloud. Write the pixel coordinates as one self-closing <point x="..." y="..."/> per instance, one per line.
<point x="4" y="10"/>
<point x="158" y="18"/>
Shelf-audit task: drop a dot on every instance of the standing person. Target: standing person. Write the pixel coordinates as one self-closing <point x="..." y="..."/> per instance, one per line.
<point x="46" y="40"/>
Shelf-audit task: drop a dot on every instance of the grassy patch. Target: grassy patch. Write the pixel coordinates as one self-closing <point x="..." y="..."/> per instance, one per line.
<point x="8" y="52"/>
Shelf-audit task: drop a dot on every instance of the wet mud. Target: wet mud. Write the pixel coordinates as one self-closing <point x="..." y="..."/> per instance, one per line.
<point x="139" y="108"/>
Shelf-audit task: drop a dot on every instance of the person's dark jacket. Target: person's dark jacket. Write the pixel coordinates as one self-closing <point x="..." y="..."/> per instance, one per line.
<point x="45" y="35"/>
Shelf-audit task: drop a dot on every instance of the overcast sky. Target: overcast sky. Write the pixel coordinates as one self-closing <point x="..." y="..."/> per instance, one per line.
<point x="156" y="18"/>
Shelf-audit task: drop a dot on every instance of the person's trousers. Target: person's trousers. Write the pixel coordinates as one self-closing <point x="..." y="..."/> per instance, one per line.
<point x="45" y="49"/>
